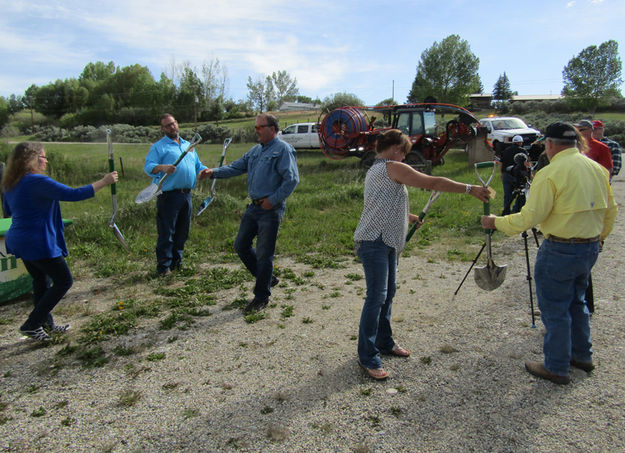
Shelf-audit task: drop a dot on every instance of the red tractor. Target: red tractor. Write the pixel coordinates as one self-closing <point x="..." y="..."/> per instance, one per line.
<point x="346" y="131"/>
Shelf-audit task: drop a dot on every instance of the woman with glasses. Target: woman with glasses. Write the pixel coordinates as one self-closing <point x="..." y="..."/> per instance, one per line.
<point x="36" y="234"/>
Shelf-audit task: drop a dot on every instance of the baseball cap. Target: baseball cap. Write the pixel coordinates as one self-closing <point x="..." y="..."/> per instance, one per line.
<point x="517" y="139"/>
<point x="597" y="124"/>
<point x="584" y="123"/>
<point x="561" y="130"/>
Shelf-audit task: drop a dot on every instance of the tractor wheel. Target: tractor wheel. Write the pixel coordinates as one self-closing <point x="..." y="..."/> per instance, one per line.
<point x="367" y="159"/>
<point x="418" y="161"/>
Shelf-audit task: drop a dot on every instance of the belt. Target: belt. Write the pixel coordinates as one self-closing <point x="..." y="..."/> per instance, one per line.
<point x="573" y="240"/>
<point x="177" y="191"/>
<point x="258" y="202"/>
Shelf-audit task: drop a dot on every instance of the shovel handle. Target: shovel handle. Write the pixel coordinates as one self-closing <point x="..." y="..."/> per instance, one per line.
<point x="111" y="159"/>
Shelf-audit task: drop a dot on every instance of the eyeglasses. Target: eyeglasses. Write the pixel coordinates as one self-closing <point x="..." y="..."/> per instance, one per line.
<point x="259" y="127"/>
<point x="168" y="125"/>
<point x="583" y="129"/>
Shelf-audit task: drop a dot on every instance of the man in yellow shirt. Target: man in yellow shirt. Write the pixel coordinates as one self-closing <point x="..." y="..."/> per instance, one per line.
<point x="572" y="200"/>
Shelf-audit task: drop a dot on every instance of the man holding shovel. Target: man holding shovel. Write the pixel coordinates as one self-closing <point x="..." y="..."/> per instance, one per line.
<point x="272" y="176"/>
<point x="173" y="205"/>
<point x="572" y="200"/>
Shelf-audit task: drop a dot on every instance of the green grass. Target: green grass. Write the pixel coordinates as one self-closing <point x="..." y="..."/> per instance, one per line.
<point x="317" y="229"/>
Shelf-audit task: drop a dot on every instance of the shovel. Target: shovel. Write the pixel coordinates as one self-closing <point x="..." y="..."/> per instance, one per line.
<point x="156" y="189"/>
<point x="118" y="234"/>
<point x="208" y="200"/>
<point x="433" y="196"/>
<point x="491" y="276"/>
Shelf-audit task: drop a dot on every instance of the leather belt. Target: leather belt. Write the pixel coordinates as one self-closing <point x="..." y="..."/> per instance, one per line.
<point x="177" y="191"/>
<point x="573" y="240"/>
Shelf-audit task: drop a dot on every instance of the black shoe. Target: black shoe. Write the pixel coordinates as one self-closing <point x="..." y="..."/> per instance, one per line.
<point x="274" y="281"/>
<point x="37" y="334"/>
<point x="256" y="305"/>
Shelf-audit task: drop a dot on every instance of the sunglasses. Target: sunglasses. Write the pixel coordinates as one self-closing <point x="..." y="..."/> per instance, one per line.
<point x="261" y="126"/>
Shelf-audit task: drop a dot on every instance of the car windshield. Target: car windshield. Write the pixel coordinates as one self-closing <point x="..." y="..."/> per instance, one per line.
<point x="509" y="123"/>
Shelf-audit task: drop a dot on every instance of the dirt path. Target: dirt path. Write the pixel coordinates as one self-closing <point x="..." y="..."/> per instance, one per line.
<point x="292" y="384"/>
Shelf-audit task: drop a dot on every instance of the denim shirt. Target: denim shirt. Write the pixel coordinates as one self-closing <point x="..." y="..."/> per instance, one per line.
<point x="165" y="152"/>
<point x="271" y="171"/>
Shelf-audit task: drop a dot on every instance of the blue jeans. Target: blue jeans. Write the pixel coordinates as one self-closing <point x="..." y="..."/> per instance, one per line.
<point x="262" y="224"/>
<point x="375" y="335"/>
<point x="46" y="296"/>
<point x="561" y="274"/>
<point x="173" y="220"/>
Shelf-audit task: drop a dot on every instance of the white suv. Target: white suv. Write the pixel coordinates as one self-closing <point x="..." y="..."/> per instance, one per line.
<point x="501" y="129"/>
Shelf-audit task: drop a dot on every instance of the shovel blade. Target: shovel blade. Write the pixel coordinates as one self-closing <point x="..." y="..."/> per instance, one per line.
<point x="148" y="193"/>
<point x="119" y="236"/>
<point x="490" y="277"/>
<point x="204" y="205"/>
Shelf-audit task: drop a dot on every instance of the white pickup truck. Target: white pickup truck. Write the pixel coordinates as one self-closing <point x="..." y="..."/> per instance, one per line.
<point x="301" y="135"/>
<point x="501" y="129"/>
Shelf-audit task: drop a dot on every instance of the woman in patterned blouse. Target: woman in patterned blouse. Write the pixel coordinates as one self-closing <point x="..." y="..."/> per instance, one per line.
<point x="380" y="237"/>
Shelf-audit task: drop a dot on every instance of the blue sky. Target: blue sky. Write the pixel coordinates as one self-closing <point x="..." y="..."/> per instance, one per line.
<point x="355" y="46"/>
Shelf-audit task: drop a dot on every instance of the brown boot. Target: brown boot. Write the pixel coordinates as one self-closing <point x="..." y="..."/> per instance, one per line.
<point x="539" y="370"/>
<point x="586" y="366"/>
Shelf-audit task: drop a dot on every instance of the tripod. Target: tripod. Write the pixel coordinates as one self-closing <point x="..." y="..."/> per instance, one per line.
<point x="520" y="194"/>
<point x="529" y="271"/>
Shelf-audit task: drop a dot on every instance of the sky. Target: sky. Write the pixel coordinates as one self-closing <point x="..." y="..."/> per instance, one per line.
<point x="370" y="49"/>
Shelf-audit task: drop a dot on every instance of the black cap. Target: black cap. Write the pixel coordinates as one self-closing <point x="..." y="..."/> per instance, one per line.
<point x="564" y="131"/>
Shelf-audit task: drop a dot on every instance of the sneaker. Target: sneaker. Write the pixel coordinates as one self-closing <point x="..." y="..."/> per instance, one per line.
<point x="274" y="281"/>
<point x="164" y="273"/>
<point x="38" y="334"/>
<point x="256" y="305"/>
<point x="58" y="328"/>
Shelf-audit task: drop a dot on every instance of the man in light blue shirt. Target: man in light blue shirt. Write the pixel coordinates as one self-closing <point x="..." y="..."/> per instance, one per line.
<point x="272" y="176"/>
<point x="173" y="206"/>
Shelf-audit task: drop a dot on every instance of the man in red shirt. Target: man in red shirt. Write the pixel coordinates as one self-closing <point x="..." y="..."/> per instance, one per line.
<point x="597" y="151"/>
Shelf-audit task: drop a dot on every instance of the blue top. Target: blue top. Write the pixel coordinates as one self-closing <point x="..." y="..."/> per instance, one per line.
<point x="165" y="152"/>
<point x="271" y="171"/>
<point x="37" y="228"/>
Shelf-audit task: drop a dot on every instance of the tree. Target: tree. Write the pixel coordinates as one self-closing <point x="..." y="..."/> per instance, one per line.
<point x="340" y="100"/>
<point x="257" y="94"/>
<point x="447" y="71"/>
<point x="594" y="76"/>
<point x="387" y="101"/>
<point x="501" y="90"/>
<point x="284" y="87"/>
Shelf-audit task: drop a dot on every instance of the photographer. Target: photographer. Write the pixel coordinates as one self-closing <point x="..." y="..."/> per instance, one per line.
<point x="508" y="179"/>
<point x="521" y="172"/>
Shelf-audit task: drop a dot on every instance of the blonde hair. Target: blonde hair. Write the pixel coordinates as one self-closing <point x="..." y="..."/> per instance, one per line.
<point x="391" y="138"/>
<point x="22" y="160"/>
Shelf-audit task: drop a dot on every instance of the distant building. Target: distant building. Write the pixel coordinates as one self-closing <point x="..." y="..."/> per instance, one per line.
<point x="296" y="106"/>
<point x="484" y="100"/>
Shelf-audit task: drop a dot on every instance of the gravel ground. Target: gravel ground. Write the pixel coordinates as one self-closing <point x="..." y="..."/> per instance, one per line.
<point x="293" y="384"/>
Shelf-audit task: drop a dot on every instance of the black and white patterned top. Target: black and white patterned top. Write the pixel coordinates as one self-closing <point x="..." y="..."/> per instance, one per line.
<point x="385" y="210"/>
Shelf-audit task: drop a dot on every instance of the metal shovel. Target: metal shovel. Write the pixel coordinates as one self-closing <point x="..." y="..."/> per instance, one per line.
<point x="491" y="276"/>
<point x="112" y="225"/>
<point x="433" y="196"/>
<point x="208" y="200"/>
<point x="155" y="189"/>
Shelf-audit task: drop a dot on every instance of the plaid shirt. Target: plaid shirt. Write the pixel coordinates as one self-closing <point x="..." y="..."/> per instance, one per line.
<point x="615" y="149"/>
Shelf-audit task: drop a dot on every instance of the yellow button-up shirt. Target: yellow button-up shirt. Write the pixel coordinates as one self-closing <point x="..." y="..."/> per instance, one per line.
<point x="570" y="198"/>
